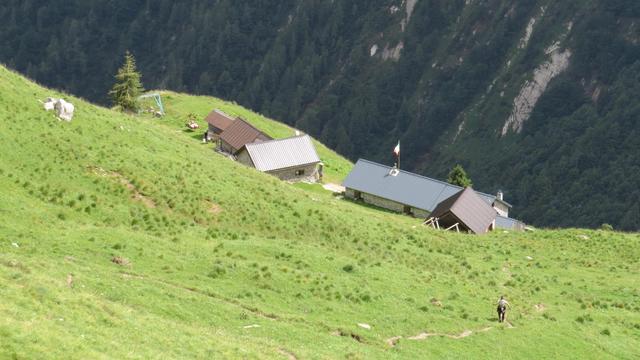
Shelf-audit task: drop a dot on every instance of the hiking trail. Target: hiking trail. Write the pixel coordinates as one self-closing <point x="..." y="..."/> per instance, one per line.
<point x="393" y="341"/>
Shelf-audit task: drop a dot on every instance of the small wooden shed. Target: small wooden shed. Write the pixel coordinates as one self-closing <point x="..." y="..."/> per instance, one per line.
<point x="218" y="122"/>
<point x="464" y="211"/>
<point x="238" y="134"/>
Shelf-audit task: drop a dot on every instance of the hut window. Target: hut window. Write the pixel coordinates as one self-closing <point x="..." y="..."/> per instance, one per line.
<point x="299" y="172"/>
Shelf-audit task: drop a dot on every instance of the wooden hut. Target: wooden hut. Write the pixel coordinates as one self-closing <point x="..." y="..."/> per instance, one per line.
<point x="218" y="122"/>
<point x="238" y="134"/>
<point x="465" y="211"/>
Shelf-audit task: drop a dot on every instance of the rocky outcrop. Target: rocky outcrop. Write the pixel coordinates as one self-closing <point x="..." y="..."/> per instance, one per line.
<point x="533" y="89"/>
<point x="409" y="6"/>
<point x="524" y="41"/>
<point x="392" y="53"/>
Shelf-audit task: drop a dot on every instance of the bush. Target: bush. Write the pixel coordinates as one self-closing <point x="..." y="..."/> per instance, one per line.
<point x="605" y="332"/>
<point x="606" y="227"/>
<point x="216" y="272"/>
<point x="348" y="268"/>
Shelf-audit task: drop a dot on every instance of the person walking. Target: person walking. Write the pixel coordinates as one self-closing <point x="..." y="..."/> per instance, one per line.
<point x="502" y="308"/>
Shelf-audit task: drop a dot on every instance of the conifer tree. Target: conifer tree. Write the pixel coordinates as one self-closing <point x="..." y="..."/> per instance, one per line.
<point x="128" y="86"/>
<point x="457" y="176"/>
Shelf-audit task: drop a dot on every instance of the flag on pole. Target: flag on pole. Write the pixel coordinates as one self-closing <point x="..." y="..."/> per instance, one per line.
<point x="396" y="150"/>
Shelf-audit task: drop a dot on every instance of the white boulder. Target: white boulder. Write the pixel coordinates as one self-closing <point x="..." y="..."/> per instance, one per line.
<point x="64" y="110"/>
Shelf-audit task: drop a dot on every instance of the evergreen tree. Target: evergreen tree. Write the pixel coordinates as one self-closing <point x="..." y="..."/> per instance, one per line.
<point x="128" y="87"/>
<point x="457" y="176"/>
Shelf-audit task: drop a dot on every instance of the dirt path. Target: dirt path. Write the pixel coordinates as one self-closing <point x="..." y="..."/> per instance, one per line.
<point x="425" y="335"/>
<point x="288" y="354"/>
<point x="334" y="188"/>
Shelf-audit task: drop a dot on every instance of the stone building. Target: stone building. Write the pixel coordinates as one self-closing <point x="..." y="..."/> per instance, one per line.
<point x="238" y="134"/>
<point x="412" y="194"/>
<point x="292" y="159"/>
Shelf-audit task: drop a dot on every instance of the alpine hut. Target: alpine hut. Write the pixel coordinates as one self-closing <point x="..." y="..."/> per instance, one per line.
<point x="218" y="122"/>
<point x="416" y="195"/>
<point x="291" y="159"/>
<point x="238" y="134"/>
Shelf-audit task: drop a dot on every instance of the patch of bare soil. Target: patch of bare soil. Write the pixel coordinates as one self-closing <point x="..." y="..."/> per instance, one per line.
<point x="393" y="341"/>
<point x="334" y="188"/>
<point x="15" y="264"/>
<point x="509" y="325"/>
<point x="425" y="335"/>
<point x="131" y="276"/>
<point x="213" y="208"/>
<point x="422" y="336"/>
<point x="288" y="354"/>
<point x="120" y="261"/>
<point x="540" y="307"/>
<point x="354" y="336"/>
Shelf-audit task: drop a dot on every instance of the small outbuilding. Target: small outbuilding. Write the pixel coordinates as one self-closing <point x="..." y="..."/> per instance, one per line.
<point x="238" y="134"/>
<point x="464" y="211"/>
<point x="292" y="159"/>
<point x="218" y="122"/>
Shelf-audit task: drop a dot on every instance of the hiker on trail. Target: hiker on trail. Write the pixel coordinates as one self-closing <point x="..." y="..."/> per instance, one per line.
<point x="502" y="308"/>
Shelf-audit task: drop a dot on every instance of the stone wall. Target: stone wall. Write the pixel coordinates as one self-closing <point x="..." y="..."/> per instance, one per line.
<point x="386" y="203"/>
<point x="350" y="193"/>
<point x="501" y="208"/>
<point x="419" y="213"/>
<point x="289" y="174"/>
<point x="226" y="147"/>
<point x="244" y="158"/>
<point x="382" y="202"/>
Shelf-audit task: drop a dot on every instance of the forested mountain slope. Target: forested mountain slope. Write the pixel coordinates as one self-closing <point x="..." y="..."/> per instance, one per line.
<point x="537" y="98"/>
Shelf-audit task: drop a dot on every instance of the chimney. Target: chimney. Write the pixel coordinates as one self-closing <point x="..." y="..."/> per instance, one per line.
<point x="500" y="195"/>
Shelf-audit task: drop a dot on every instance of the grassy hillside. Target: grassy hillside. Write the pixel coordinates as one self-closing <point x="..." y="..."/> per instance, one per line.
<point x="179" y="106"/>
<point x="125" y="237"/>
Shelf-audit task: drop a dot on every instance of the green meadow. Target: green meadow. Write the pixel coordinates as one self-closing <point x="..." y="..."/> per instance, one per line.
<point x="125" y="237"/>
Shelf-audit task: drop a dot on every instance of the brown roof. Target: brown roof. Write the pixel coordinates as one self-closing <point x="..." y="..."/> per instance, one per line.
<point x="219" y="119"/>
<point x="240" y="133"/>
<point x="469" y="209"/>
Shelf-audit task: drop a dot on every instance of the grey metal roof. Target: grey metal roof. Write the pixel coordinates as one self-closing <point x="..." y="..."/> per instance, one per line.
<point x="282" y="153"/>
<point x="471" y="210"/>
<point x="406" y="188"/>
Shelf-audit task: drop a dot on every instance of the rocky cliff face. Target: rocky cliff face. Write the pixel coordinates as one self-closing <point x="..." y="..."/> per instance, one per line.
<point x="522" y="93"/>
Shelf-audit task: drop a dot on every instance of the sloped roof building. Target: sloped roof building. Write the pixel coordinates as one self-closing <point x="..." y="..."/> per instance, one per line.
<point x="410" y="193"/>
<point x="238" y="134"/>
<point x="465" y="210"/>
<point x="217" y="121"/>
<point x="293" y="158"/>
